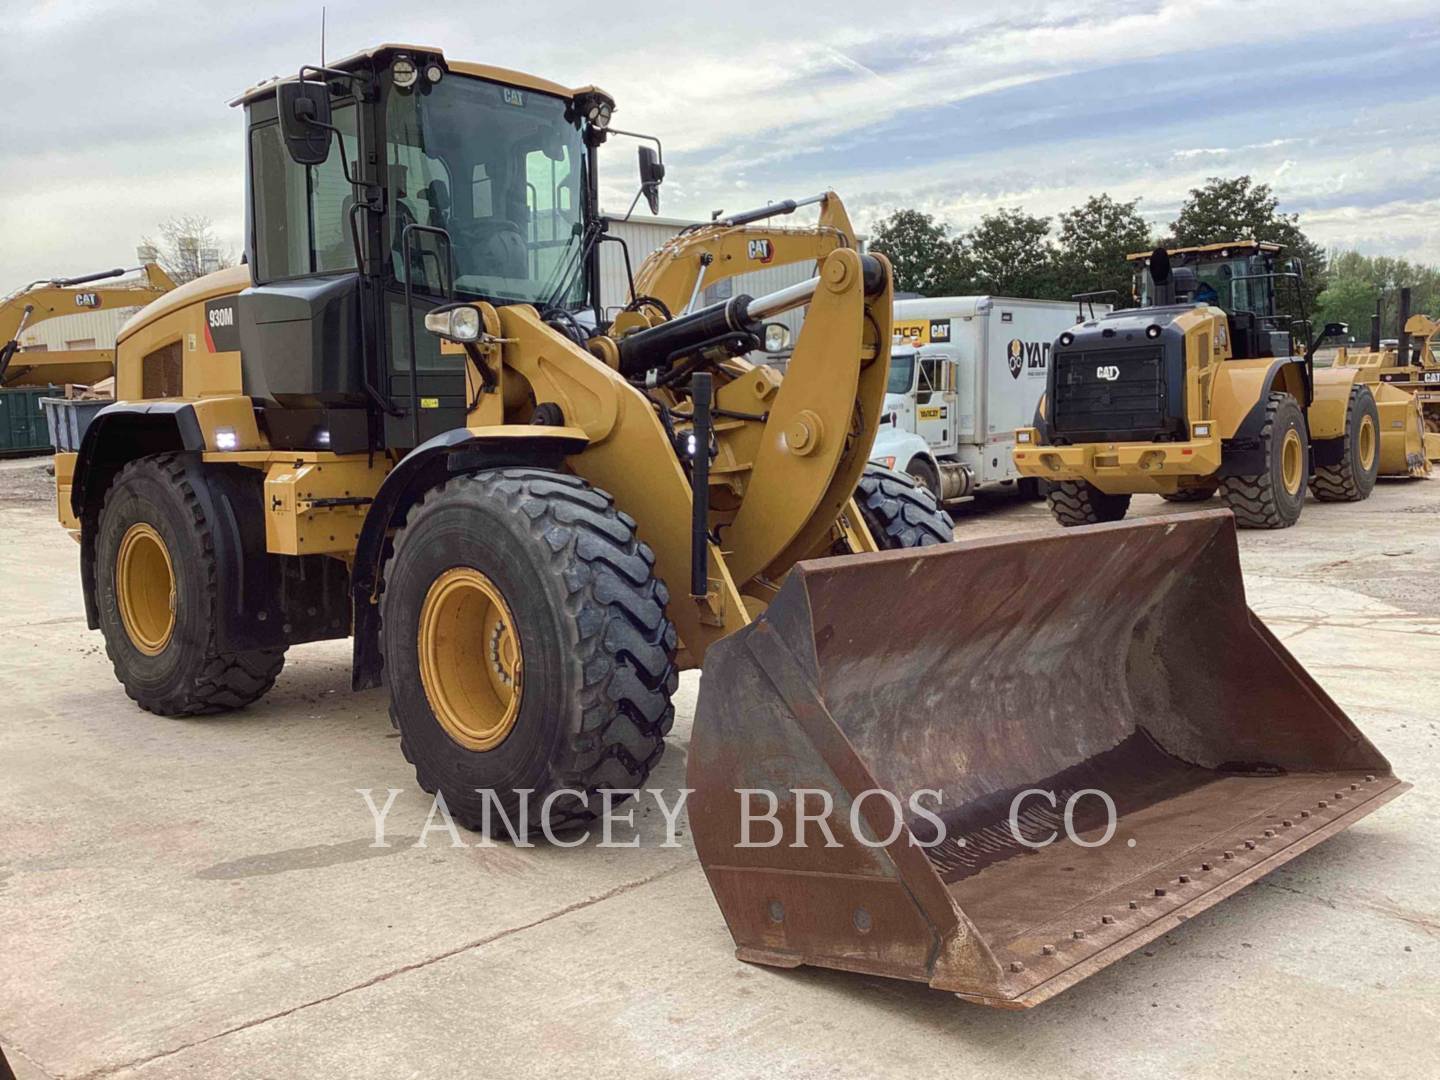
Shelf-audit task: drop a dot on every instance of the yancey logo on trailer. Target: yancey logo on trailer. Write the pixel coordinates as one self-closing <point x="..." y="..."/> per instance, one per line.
<point x="1027" y="356"/>
<point x="922" y="332"/>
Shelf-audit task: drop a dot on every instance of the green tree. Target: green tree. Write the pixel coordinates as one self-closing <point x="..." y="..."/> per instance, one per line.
<point x="926" y="258"/>
<point x="1094" y="239"/>
<point x="1349" y="300"/>
<point x="1384" y="276"/>
<point x="1010" y="254"/>
<point x="1240" y="209"/>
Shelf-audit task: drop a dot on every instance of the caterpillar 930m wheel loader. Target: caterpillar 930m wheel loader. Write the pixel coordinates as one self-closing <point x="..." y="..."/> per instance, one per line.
<point x="1200" y="390"/>
<point x="52" y="298"/>
<point x="405" y="419"/>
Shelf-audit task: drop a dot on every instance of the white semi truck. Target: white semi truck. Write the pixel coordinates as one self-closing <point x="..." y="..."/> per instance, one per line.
<point x="965" y="371"/>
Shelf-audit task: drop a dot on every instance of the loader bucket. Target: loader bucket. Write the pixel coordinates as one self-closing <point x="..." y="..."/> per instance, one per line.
<point x="993" y="683"/>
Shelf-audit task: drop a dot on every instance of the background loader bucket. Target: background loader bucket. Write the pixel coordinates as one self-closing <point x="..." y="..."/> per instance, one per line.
<point x="1118" y="658"/>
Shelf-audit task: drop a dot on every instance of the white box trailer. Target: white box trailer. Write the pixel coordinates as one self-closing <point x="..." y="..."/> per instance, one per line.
<point x="965" y="371"/>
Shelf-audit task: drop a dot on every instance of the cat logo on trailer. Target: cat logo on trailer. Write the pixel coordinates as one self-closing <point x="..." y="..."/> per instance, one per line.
<point x="761" y="251"/>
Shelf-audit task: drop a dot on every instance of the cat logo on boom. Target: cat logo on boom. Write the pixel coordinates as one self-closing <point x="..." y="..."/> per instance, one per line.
<point x="761" y="251"/>
<point x="87" y="300"/>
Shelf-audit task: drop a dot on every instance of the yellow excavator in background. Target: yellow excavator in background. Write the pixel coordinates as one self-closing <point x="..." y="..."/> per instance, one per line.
<point x="406" y="419"/>
<point x="56" y="297"/>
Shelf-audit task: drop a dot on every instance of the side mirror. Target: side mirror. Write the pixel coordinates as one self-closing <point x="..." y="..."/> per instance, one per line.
<point x="1336" y="329"/>
<point x="777" y="337"/>
<point x="305" y="120"/>
<point x="652" y="172"/>
<point x="1160" y="266"/>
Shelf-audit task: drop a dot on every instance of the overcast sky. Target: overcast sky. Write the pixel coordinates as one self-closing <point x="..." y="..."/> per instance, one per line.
<point x="114" y="115"/>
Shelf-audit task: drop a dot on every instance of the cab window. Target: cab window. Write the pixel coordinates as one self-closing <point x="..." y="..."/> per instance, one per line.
<point x="902" y="373"/>
<point x="301" y="215"/>
<point x="932" y="378"/>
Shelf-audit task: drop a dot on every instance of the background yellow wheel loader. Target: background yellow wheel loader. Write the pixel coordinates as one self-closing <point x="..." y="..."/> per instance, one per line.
<point x="410" y="423"/>
<point x="1405" y="380"/>
<point x="1198" y="391"/>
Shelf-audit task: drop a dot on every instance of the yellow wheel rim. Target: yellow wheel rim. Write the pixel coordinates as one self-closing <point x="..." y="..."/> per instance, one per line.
<point x="470" y="661"/>
<point x="1367" y="443"/>
<point x="145" y="588"/>
<point x="1292" y="461"/>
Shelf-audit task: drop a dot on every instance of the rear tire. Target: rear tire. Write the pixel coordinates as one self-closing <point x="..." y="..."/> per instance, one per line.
<point x="594" y="650"/>
<point x="1079" y="502"/>
<point x="899" y="512"/>
<point x="1191" y="495"/>
<point x="1353" y="479"/>
<point x="153" y="527"/>
<point x="1273" y="499"/>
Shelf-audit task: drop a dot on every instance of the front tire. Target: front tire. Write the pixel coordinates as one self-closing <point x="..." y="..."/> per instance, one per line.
<point x="1274" y="498"/>
<point x="899" y="512"/>
<point x="157" y="588"/>
<point x="527" y="649"/>
<point x="1353" y="479"/>
<point x="1079" y="502"/>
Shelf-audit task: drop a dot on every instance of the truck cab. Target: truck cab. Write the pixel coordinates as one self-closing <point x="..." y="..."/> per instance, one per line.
<point x="965" y="372"/>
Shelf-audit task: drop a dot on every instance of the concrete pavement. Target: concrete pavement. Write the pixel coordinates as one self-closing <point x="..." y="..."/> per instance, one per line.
<point x="200" y="898"/>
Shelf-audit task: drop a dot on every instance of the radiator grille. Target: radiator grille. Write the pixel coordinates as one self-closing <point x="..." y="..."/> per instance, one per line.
<point x="1117" y="392"/>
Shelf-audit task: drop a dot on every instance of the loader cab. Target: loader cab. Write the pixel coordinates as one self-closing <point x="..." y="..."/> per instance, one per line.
<point x="1243" y="279"/>
<point x="429" y="182"/>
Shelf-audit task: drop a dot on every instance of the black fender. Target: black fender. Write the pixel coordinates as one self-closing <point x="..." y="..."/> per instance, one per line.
<point x="265" y="600"/>
<point x="1242" y="454"/>
<point x="430" y="464"/>
<point x="117" y="435"/>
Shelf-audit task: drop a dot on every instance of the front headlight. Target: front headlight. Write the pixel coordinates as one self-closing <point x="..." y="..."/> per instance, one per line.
<point x="461" y="323"/>
<point x="1022" y="436"/>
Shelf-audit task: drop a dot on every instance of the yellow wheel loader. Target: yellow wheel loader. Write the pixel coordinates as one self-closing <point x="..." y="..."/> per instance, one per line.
<point x="410" y="423"/>
<point x="1198" y="391"/>
<point x="1405" y="380"/>
<point x="55" y="297"/>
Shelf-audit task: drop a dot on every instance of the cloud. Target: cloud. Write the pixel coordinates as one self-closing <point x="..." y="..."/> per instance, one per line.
<point x="116" y="113"/>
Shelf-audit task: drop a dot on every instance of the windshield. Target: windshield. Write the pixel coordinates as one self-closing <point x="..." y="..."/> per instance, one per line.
<point x="902" y="373"/>
<point x="501" y="170"/>
<point x="1232" y="284"/>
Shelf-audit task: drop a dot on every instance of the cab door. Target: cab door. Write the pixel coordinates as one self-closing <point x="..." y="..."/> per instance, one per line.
<point x="935" y="399"/>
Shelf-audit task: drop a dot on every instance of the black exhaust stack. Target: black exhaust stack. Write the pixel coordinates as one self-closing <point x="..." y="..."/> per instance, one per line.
<point x="1375" y="324"/>
<point x="1162" y="277"/>
<point x="1402" y="346"/>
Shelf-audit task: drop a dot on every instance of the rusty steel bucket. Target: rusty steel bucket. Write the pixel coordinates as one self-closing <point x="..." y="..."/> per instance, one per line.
<point x="989" y="682"/>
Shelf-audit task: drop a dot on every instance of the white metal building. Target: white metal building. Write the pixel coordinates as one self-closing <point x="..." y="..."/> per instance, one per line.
<point x="643" y="234"/>
<point x="83" y="330"/>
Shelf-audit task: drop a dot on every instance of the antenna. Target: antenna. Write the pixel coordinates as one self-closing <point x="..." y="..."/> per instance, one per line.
<point x="322" y="35"/>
